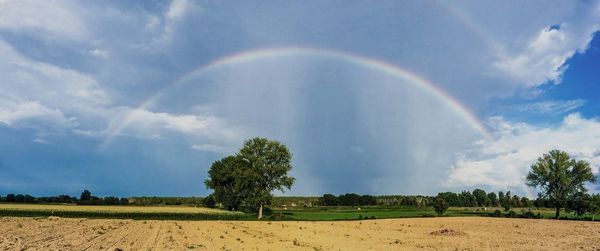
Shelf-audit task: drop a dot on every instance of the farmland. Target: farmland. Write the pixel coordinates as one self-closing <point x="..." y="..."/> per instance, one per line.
<point x="279" y="213"/>
<point x="75" y="227"/>
<point x="119" y="212"/>
<point x="447" y="233"/>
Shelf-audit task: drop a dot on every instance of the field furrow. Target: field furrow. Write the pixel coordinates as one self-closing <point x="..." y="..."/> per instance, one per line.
<point x="447" y="233"/>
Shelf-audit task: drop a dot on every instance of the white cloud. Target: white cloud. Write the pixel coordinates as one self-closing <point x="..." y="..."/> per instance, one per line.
<point x="504" y="163"/>
<point x="53" y="86"/>
<point x="165" y="26"/>
<point x="177" y="9"/>
<point x="149" y="123"/>
<point x="551" y="106"/>
<point x="543" y="59"/>
<point x="144" y="124"/>
<point x="99" y="53"/>
<point x="213" y="148"/>
<point x="58" y="19"/>
<point x="152" y="23"/>
<point x="30" y="114"/>
<point x="40" y="141"/>
<point x="46" y="97"/>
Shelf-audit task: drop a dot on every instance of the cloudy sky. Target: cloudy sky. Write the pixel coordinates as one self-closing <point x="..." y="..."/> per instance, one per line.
<point x="133" y="98"/>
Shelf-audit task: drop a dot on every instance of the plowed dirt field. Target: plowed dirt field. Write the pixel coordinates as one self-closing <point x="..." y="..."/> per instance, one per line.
<point x="461" y="233"/>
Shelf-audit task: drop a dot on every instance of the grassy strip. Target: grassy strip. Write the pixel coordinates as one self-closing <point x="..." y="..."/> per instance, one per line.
<point x="332" y="214"/>
<point x="125" y="215"/>
<point x="296" y="214"/>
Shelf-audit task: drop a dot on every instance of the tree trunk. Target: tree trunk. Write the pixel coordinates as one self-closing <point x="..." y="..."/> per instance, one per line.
<point x="260" y="209"/>
<point x="557" y="212"/>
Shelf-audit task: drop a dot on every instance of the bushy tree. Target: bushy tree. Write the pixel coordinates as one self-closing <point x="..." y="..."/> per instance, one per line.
<point x="505" y="201"/>
<point x="367" y="200"/>
<point x="223" y="178"/>
<point x="110" y="200"/>
<point x="579" y="203"/>
<point x="85" y="195"/>
<point x="328" y="200"/>
<point x="559" y="177"/>
<point x="349" y="199"/>
<point x="542" y="202"/>
<point x="440" y="206"/>
<point x="525" y="202"/>
<point x="481" y="197"/>
<point x="515" y="201"/>
<point x="260" y="167"/>
<point x="10" y="197"/>
<point x="594" y="206"/>
<point x="268" y="163"/>
<point x="467" y="199"/>
<point x="210" y="201"/>
<point x="493" y="199"/>
<point x="452" y="198"/>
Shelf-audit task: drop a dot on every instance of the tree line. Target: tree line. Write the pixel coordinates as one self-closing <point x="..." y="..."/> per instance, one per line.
<point x="479" y="198"/>
<point x="86" y="198"/>
<point x="26" y="198"/>
<point x="245" y="181"/>
<point x="349" y="199"/>
<point x="168" y="201"/>
<point x="560" y="179"/>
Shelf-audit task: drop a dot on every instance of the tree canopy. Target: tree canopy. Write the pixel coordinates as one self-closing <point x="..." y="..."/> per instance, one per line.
<point x="249" y="177"/>
<point x="223" y="176"/>
<point x="560" y="177"/>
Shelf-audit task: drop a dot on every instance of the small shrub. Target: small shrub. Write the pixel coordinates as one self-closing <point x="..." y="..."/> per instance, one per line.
<point x="511" y="214"/>
<point x="531" y="215"/>
<point x="210" y="201"/>
<point x="497" y="213"/>
<point x="440" y="206"/>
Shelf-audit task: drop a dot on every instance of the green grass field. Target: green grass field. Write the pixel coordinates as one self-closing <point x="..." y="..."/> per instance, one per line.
<point x="352" y="213"/>
<point x="348" y="213"/>
<point x="200" y="213"/>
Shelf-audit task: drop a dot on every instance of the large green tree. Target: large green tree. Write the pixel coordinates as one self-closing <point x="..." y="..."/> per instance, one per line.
<point x="559" y="177"/>
<point x="249" y="177"/>
<point x="493" y="199"/>
<point x="267" y="165"/>
<point x="481" y="197"/>
<point x="85" y="195"/>
<point x="222" y="178"/>
<point x="505" y="200"/>
<point x="594" y="205"/>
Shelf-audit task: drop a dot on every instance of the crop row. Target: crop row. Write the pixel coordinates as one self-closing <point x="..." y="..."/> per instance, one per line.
<point x="125" y="215"/>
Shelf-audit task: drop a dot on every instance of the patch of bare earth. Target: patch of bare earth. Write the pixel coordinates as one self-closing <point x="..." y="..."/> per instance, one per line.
<point x="447" y="233"/>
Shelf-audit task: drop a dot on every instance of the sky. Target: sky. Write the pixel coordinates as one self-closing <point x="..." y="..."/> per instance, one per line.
<point x="132" y="98"/>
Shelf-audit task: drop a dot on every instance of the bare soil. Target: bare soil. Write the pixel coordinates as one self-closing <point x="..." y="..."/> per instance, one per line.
<point x="461" y="233"/>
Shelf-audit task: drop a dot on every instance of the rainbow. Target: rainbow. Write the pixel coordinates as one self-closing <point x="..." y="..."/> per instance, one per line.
<point x="469" y="23"/>
<point x="287" y="52"/>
